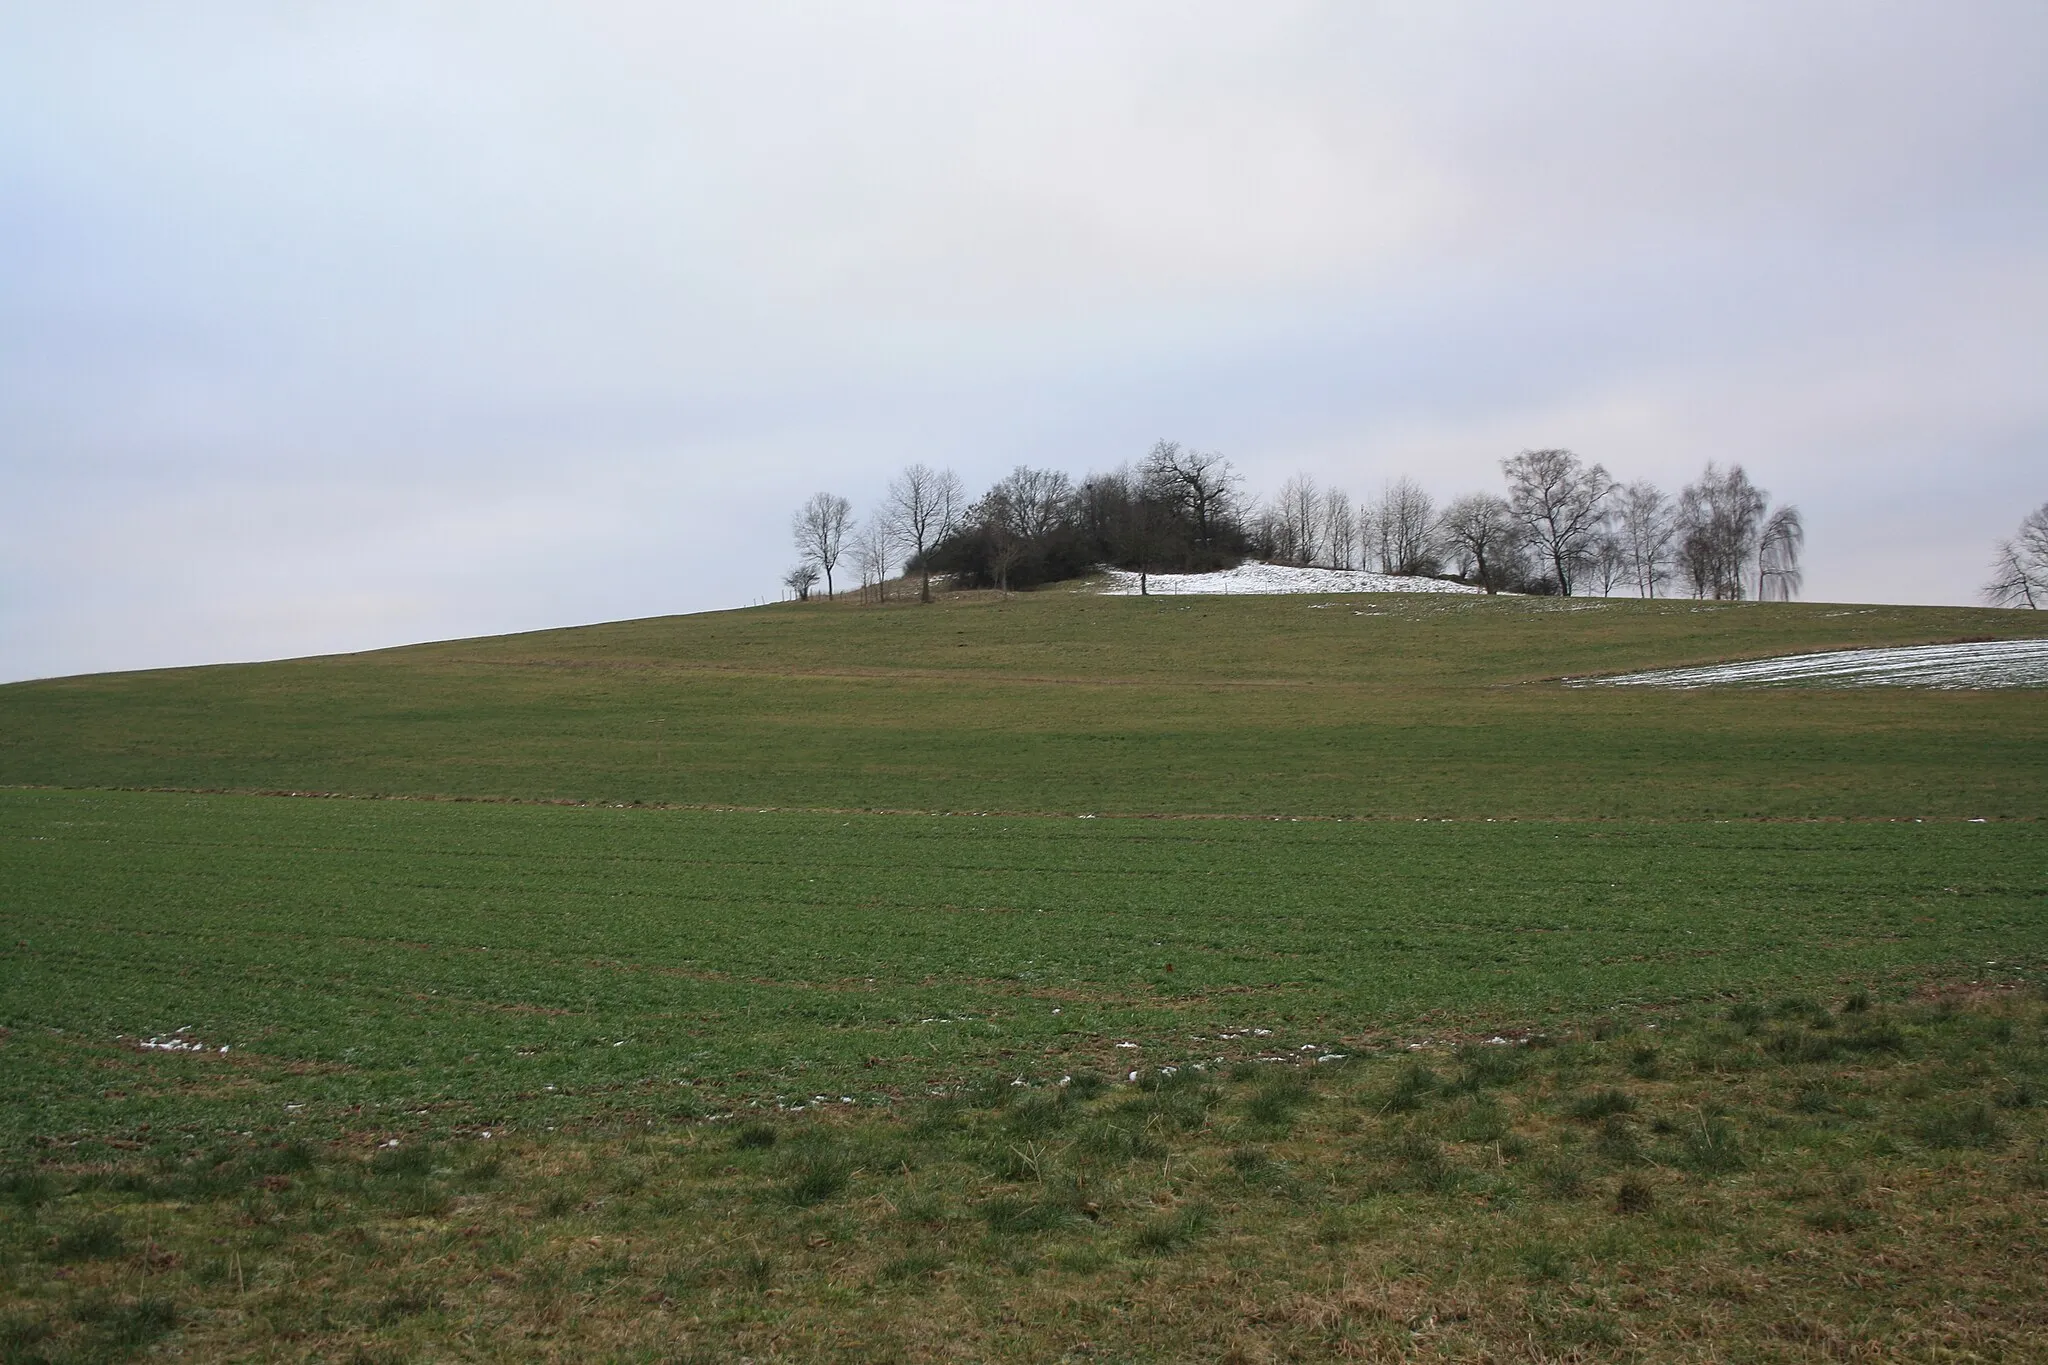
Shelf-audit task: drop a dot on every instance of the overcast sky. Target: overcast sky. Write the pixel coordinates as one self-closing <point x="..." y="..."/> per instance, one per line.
<point x="325" y="327"/>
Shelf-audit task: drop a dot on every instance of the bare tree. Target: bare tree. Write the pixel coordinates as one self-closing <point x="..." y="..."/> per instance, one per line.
<point x="1608" y="558"/>
<point x="1201" y="482"/>
<point x="1642" y="519"/>
<point x="2020" y="573"/>
<point x="1340" y="529"/>
<point x="1720" y="519"/>
<point x="1405" y="521"/>
<point x="1298" y="520"/>
<point x="1558" y="499"/>
<point x="801" y="580"/>
<point x="923" y="504"/>
<point x="1481" y="529"/>
<point x="820" y="530"/>
<point x="1778" y="575"/>
<point x="1036" y="502"/>
<point x="873" y="550"/>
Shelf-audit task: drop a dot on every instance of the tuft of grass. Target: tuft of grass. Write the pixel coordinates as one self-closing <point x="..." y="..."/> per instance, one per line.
<point x="1008" y="1216"/>
<point x="1710" y="1147"/>
<point x="1833" y="1217"/>
<point x="1487" y="1066"/>
<point x="1618" y="1142"/>
<point x="1599" y="1104"/>
<point x="918" y="1265"/>
<point x="1541" y="1258"/>
<point x="408" y="1160"/>
<point x="1634" y="1194"/>
<point x="1967" y="1124"/>
<point x="1482" y="1121"/>
<point x="483" y="1171"/>
<point x="2017" y="1093"/>
<point x="30" y="1189"/>
<point x="1086" y="1085"/>
<point x="1250" y="1163"/>
<point x="1816" y="1099"/>
<point x="1169" y="1232"/>
<point x="1039" y="1113"/>
<point x="1429" y="1167"/>
<point x="1562" y="1176"/>
<point x="96" y="1239"/>
<point x="816" y="1176"/>
<point x="1858" y="1002"/>
<point x="1411" y="1090"/>
<point x="406" y="1303"/>
<point x="1121" y="1139"/>
<point x="755" y="1137"/>
<point x="127" y="1327"/>
<point x="1274" y="1103"/>
<point x="1875" y="1038"/>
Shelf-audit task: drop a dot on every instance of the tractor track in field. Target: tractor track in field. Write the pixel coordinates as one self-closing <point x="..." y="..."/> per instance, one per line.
<point x="1241" y="817"/>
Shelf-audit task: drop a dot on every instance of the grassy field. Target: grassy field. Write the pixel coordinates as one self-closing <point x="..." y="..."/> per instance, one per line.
<point x="637" y="889"/>
<point x="1392" y="706"/>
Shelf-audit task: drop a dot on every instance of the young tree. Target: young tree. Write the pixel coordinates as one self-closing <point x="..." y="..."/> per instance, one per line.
<point x="1340" y="529"/>
<point x="923" y="504"/>
<point x="2019" y="576"/>
<point x="1405" y="520"/>
<point x="1480" y="528"/>
<point x="1642" y="517"/>
<point x="1298" y="521"/>
<point x="873" y="550"/>
<point x="1608" y="558"/>
<point x="1558" y="499"/>
<point x="820" y="531"/>
<point x="801" y="580"/>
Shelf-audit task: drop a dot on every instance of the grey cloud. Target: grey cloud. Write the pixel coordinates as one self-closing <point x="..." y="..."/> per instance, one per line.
<point x="322" y="328"/>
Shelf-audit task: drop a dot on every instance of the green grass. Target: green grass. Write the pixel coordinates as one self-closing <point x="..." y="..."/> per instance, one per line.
<point x="392" y="967"/>
<point x="1361" y="705"/>
<point x="1714" y="1214"/>
<point x="806" y="1019"/>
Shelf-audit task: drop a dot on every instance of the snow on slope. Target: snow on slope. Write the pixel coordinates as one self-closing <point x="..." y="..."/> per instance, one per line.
<point x="1251" y="579"/>
<point x="1995" y="663"/>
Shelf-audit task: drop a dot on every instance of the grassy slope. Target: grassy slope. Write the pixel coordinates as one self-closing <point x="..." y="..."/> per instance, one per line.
<point x="422" y="969"/>
<point x="1418" y="706"/>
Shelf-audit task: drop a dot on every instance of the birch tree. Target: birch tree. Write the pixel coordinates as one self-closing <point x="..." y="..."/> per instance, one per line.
<point x="1643" y="521"/>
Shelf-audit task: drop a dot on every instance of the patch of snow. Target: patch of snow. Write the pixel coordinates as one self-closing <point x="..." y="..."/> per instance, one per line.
<point x="1250" y="580"/>
<point x="1989" y="663"/>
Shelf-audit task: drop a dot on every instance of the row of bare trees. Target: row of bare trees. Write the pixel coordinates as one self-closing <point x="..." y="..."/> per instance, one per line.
<point x="1563" y="526"/>
<point x="922" y="508"/>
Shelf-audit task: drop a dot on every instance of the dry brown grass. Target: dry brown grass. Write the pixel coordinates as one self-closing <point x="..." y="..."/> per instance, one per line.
<point x="1783" y="1182"/>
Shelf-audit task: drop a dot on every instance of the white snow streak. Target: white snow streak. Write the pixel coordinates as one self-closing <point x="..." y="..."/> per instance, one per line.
<point x="1247" y="580"/>
<point x="1992" y="663"/>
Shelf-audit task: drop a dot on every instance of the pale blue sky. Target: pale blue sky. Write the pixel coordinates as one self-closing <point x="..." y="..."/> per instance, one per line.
<point x="326" y="327"/>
